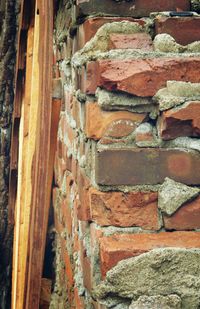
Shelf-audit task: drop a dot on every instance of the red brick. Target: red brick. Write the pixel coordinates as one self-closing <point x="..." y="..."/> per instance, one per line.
<point x="184" y="30"/>
<point x="183" y="121"/>
<point x="139" y="8"/>
<point x="118" y="131"/>
<point x="79" y="301"/>
<point x="74" y="168"/>
<point x="135" y="166"/>
<point x="76" y="243"/>
<point x="140" y="41"/>
<point x="122" y="246"/>
<point x="125" y="209"/>
<point x="120" y="128"/>
<point x="103" y="119"/>
<point x="86" y="268"/>
<point x="89" y="28"/>
<point x="185" y="218"/>
<point x="141" y="77"/>
<point x="68" y="264"/>
<point x="89" y="80"/>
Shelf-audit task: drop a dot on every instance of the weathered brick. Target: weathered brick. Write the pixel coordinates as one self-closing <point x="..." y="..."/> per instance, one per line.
<point x="133" y="166"/>
<point x="184" y="30"/>
<point x="121" y="128"/>
<point x="79" y="300"/>
<point x="83" y="211"/>
<point x="89" y="28"/>
<point x="74" y="168"/>
<point x="122" y="246"/>
<point x="65" y="209"/>
<point x="141" y="77"/>
<point x="181" y="121"/>
<point x="140" y="41"/>
<point x="96" y="129"/>
<point x="86" y="268"/>
<point x="60" y="167"/>
<point x="185" y="218"/>
<point x="137" y="8"/>
<point x="125" y="209"/>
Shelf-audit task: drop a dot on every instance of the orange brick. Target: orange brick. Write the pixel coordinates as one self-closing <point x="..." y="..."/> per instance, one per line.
<point x="125" y="209"/>
<point x="68" y="264"/>
<point x="140" y="77"/>
<point x="122" y="246"/>
<point x="79" y="301"/>
<point x="96" y="129"/>
<point x="185" y="218"/>
<point x="89" y="28"/>
<point x="140" y="8"/>
<point x="83" y="210"/>
<point x="184" y="30"/>
<point x="86" y="268"/>
<point x="140" y="41"/>
<point x="183" y="121"/>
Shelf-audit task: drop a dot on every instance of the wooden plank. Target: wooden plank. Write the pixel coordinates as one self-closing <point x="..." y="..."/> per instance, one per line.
<point x="22" y="213"/>
<point x="25" y="20"/>
<point x="44" y="157"/>
<point x="36" y="132"/>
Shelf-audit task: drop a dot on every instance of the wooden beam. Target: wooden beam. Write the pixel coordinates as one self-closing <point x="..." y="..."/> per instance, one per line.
<point x="43" y="160"/>
<point x="35" y="127"/>
<point x="26" y="145"/>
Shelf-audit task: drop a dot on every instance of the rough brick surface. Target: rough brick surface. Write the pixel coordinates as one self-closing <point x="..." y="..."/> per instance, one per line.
<point x="140" y="41"/>
<point x="146" y="166"/>
<point x="112" y="199"/>
<point x="122" y="246"/>
<point x="186" y="218"/>
<point x="83" y="190"/>
<point x="184" y="30"/>
<point x="137" y="8"/>
<point x="89" y="28"/>
<point x="141" y="77"/>
<point x="181" y="121"/>
<point x="97" y="120"/>
<point x="125" y="209"/>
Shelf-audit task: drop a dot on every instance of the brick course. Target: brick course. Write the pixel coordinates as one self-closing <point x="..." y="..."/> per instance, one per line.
<point x="114" y="150"/>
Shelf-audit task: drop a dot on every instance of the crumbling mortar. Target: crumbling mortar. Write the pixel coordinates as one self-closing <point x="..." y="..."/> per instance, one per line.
<point x="78" y="276"/>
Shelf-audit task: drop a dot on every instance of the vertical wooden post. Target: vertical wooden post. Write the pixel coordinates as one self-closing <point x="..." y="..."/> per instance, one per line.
<point x="42" y="169"/>
<point x="36" y="133"/>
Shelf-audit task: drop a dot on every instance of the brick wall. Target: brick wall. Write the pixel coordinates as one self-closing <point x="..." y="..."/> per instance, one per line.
<point x="127" y="169"/>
